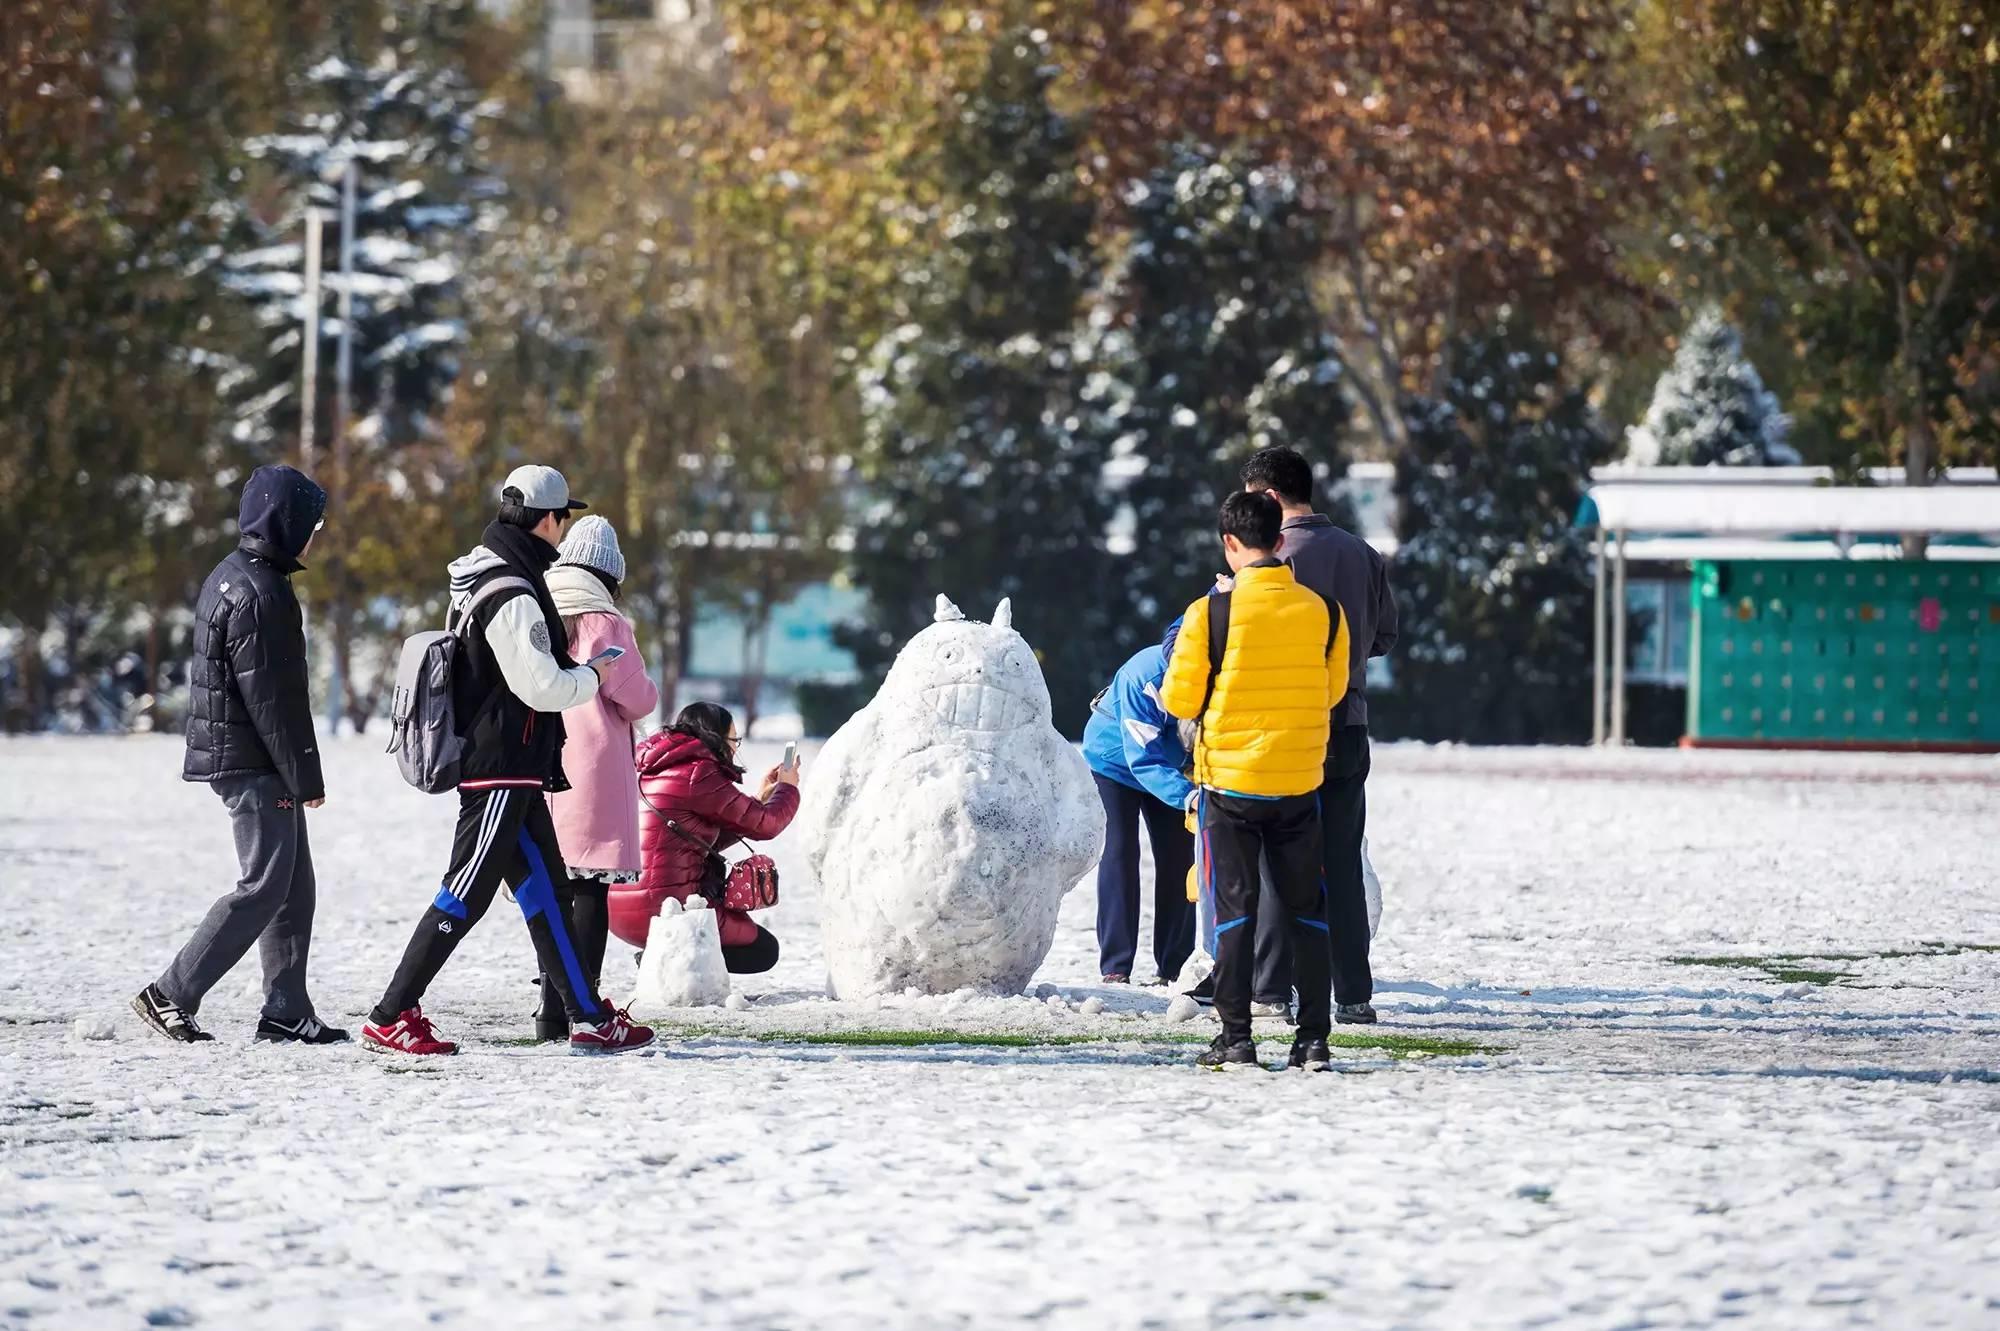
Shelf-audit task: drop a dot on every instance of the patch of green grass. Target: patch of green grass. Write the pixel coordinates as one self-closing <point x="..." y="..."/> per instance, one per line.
<point x="1406" y="1046"/>
<point x="1778" y="966"/>
<point x="1397" y="1045"/>
<point x="1810" y="967"/>
<point x="890" y="1039"/>
<point x="1797" y="975"/>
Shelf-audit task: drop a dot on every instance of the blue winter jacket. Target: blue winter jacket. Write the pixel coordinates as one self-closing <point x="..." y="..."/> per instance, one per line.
<point x="1130" y="738"/>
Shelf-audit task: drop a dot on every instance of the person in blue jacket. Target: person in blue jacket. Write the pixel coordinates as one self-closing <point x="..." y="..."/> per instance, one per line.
<point x="1140" y="765"/>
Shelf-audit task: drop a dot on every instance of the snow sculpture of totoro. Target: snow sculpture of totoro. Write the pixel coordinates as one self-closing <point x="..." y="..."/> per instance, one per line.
<point x="947" y="819"/>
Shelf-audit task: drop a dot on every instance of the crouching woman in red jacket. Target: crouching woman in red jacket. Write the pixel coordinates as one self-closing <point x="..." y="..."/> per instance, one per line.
<point x="688" y="773"/>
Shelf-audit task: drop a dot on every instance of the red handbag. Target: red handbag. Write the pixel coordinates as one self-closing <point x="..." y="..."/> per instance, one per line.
<point x="753" y="884"/>
<point x="749" y="884"/>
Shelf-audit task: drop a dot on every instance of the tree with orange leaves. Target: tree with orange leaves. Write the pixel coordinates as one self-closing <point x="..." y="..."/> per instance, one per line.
<point x="1464" y="158"/>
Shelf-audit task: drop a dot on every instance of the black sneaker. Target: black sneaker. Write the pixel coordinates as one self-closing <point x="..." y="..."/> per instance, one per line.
<point x="1223" y="1054"/>
<point x="1204" y="993"/>
<point x="169" y="1019"/>
<point x="1309" y="1055"/>
<point x="306" y="1030"/>
<point x="1355" y="1014"/>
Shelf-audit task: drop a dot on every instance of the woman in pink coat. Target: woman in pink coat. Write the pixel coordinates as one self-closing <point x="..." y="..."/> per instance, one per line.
<point x="597" y="819"/>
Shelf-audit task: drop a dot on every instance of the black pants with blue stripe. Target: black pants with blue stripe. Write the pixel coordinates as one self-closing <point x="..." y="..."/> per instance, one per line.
<point x="1343" y="821"/>
<point x="1237" y="836"/>
<point x="504" y="835"/>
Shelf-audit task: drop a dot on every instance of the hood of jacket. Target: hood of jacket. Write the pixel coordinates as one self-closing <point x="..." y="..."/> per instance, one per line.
<point x="578" y="591"/>
<point x="664" y="750"/>
<point x="281" y="507"/>
<point x="469" y="567"/>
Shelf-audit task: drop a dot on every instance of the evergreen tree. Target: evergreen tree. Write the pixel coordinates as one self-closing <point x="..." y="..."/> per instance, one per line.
<point x="405" y="115"/>
<point x="1492" y="578"/>
<point x="982" y="483"/>
<point x="1221" y="351"/>
<point x="1710" y="407"/>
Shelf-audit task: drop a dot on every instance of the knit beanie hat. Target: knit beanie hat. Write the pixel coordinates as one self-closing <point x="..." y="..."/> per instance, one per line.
<point x="593" y="543"/>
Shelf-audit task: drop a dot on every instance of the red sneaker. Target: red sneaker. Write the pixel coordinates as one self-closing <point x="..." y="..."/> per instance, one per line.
<point x="616" y="1036"/>
<point x="410" y="1033"/>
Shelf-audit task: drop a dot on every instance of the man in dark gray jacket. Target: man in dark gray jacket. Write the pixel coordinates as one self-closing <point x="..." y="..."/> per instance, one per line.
<point x="1345" y="570"/>
<point x="250" y="737"/>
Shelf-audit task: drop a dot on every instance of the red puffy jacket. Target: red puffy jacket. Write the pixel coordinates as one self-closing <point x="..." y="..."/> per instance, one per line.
<point x="681" y="779"/>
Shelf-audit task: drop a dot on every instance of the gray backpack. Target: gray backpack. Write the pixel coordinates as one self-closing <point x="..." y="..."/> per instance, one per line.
<point x="426" y="735"/>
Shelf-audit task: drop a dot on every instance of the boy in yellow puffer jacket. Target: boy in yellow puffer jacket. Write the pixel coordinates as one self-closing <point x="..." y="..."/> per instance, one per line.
<point x="1258" y="762"/>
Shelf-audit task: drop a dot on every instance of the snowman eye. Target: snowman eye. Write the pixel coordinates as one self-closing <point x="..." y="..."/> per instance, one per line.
<point x="948" y="655"/>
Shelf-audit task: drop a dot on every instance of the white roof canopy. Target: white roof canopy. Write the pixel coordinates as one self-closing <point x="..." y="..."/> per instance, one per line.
<point x="1654" y="507"/>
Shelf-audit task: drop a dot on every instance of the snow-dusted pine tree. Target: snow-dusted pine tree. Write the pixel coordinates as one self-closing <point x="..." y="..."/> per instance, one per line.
<point x="1710" y="407"/>
<point x="409" y="128"/>
<point x="1210" y="346"/>
<point x="406" y="117"/>
<point x="982" y="482"/>
<point x="1492" y="576"/>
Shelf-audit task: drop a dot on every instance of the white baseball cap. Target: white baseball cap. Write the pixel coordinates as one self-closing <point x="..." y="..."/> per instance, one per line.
<point x="540" y="487"/>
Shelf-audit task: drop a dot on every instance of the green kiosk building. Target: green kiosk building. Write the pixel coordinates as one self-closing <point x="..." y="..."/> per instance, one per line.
<point x="1807" y="624"/>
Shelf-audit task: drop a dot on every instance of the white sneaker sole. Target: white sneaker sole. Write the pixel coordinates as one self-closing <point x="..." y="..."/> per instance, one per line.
<point x="603" y="1051"/>
<point x="376" y="1046"/>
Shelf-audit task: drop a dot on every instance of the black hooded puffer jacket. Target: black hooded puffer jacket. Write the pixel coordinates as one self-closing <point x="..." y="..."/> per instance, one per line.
<point x="250" y="710"/>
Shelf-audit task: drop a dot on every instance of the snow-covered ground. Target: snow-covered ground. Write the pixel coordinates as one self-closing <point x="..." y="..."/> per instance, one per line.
<point x="1654" y="1143"/>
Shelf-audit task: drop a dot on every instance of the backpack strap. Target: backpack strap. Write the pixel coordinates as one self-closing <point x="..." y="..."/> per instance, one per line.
<point x="457" y="615"/>
<point x="1218" y="643"/>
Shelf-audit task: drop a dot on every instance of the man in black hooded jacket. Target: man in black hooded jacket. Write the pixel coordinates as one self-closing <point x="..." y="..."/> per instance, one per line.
<point x="250" y="737"/>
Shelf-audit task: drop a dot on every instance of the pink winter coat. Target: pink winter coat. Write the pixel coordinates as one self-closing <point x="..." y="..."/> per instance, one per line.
<point x="597" y="819"/>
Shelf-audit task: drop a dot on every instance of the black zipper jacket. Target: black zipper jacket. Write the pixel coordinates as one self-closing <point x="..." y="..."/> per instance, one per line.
<point x="249" y="707"/>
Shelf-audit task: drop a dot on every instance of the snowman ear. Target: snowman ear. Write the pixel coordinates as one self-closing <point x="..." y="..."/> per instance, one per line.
<point x="1003" y="614"/>
<point x="947" y="613"/>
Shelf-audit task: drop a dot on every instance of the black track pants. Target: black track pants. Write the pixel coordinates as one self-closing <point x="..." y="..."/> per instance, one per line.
<point x="504" y="835"/>
<point x="1237" y="834"/>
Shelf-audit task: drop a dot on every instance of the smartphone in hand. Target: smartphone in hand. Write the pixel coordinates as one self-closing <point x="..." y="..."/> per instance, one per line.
<point x="606" y="657"/>
<point x="792" y="756"/>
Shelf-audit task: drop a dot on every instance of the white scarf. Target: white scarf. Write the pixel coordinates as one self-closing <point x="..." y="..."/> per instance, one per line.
<point x="578" y="591"/>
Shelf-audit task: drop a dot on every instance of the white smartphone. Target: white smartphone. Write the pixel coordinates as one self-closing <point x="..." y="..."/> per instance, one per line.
<point x="606" y="657"/>
<point x="792" y="755"/>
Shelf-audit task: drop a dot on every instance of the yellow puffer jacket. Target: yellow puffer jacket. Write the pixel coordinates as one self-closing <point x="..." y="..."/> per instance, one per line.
<point x="1282" y="672"/>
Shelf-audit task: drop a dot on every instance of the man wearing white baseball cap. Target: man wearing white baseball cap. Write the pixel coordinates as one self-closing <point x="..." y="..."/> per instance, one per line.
<point x="515" y="678"/>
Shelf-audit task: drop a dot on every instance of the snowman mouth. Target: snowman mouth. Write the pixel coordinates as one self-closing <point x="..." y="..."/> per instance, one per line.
<point x="981" y="707"/>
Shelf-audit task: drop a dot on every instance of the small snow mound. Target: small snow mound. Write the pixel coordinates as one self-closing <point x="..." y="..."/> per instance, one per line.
<point x="1057" y="1003"/>
<point x="1182" y="1008"/>
<point x="93" y="1028"/>
<point x="1090" y="1007"/>
<point x="736" y="1002"/>
<point x="682" y="965"/>
<point x="1193" y="971"/>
